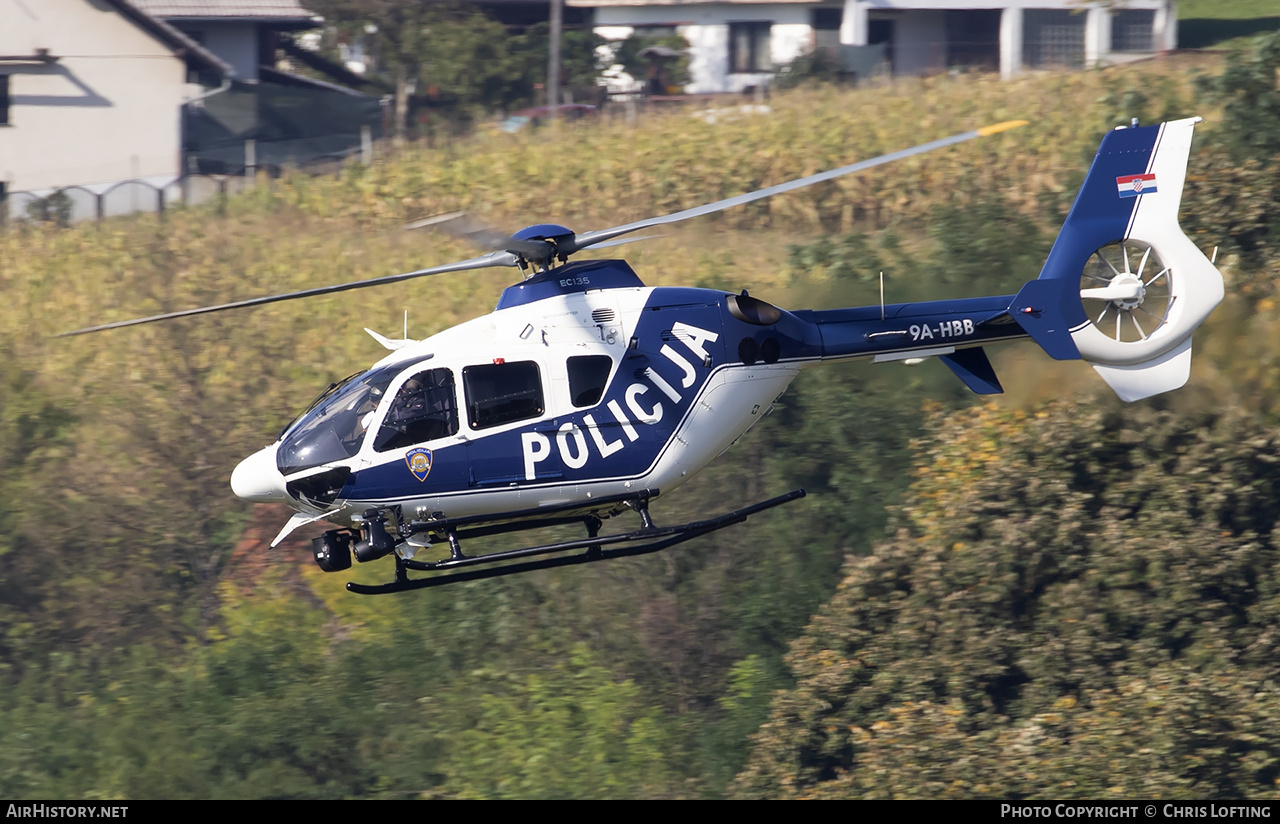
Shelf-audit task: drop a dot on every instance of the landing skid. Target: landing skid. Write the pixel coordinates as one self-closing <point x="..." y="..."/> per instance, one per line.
<point x="648" y="539"/>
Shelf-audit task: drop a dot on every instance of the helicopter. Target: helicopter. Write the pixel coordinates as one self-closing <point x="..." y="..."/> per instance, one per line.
<point x="586" y="394"/>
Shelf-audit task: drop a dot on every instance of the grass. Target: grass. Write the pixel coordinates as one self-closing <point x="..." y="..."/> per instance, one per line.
<point x="1220" y="24"/>
<point x="1227" y="9"/>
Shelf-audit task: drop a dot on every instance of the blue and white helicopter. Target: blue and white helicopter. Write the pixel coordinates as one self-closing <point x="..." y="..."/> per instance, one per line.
<point x="586" y="393"/>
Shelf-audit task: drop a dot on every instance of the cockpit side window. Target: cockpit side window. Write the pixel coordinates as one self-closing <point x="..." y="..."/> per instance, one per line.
<point x="423" y="410"/>
<point x="588" y="377"/>
<point x="335" y="426"/>
<point x="499" y="393"/>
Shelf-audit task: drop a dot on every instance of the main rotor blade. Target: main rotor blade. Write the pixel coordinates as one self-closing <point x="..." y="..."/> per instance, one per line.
<point x="592" y="238"/>
<point x="622" y="241"/>
<point x="480" y="234"/>
<point x="485" y="261"/>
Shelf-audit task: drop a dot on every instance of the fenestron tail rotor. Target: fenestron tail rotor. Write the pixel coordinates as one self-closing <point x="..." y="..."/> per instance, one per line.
<point x="543" y="244"/>
<point x="1127" y="291"/>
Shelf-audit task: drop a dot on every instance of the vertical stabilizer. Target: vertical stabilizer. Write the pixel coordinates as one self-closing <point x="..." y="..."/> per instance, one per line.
<point x="1123" y="282"/>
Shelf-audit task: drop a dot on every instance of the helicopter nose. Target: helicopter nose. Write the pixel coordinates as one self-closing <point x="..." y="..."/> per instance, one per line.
<point x="257" y="478"/>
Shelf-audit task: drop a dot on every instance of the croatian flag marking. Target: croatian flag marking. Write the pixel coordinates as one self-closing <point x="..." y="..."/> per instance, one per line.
<point x="1134" y="185"/>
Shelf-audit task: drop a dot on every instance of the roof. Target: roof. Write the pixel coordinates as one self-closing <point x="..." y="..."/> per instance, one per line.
<point x="197" y="56"/>
<point x="600" y="3"/>
<point x="265" y="10"/>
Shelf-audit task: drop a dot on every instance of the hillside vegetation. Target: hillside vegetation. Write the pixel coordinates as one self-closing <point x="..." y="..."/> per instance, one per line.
<point x="968" y="594"/>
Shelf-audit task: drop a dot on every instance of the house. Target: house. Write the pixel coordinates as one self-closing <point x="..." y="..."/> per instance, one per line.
<point x="98" y="94"/>
<point x="91" y="93"/>
<point x="267" y="117"/>
<point x="244" y="33"/>
<point x="738" y="44"/>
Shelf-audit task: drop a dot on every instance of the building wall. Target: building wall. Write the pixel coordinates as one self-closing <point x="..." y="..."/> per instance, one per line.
<point x="919" y="40"/>
<point x="107" y="110"/>
<point x="917" y="31"/>
<point x="706" y="27"/>
<point x="920" y="30"/>
<point x="234" y="41"/>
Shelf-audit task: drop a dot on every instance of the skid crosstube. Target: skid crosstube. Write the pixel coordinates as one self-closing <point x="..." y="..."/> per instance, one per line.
<point x="653" y="538"/>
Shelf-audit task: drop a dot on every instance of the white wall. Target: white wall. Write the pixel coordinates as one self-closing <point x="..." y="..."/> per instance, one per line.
<point x="923" y="22"/>
<point x="107" y="110"/>
<point x="919" y="41"/>
<point x="920" y="34"/>
<point x="706" y="27"/>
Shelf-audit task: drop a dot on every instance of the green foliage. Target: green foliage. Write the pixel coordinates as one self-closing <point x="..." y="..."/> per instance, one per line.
<point x="1248" y="93"/>
<point x="31" y="427"/>
<point x="1234" y="192"/>
<point x="1074" y="578"/>
<point x="986" y="245"/>
<point x="458" y="56"/>
<point x="812" y="67"/>
<point x="473" y="61"/>
<point x="975" y="246"/>
<point x="675" y="70"/>
<point x="567" y="731"/>
<point x="580" y="59"/>
<point x="400" y="26"/>
<point x="1214" y="24"/>
<point x="55" y="208"/>
<point x="743" y="707"/>
<point x="1233" y="204"/>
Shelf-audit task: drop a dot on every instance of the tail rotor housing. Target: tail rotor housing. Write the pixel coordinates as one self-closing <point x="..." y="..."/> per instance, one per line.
<point x="1125" y="281"/>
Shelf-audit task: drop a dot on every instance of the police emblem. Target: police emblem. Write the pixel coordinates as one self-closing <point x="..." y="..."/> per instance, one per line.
<point x="419" y="462"/>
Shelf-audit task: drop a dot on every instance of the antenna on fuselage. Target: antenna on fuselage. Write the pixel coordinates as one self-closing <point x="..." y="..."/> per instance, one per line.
<point x="882" y="294"/>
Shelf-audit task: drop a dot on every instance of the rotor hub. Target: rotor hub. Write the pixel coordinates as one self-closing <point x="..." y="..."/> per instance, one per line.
<point x="1133" y="284"/>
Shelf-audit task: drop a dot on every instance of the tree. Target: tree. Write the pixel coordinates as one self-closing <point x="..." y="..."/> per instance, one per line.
<point x="398" y="39"/>
<point x="454" y="55"/>
<point x="1247" y="90"/>
<point x="32" y="429"/>
<point x="1077" y="602"/>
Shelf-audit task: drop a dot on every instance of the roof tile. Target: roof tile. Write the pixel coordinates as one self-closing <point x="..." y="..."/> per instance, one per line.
<point x="240" y="9"/>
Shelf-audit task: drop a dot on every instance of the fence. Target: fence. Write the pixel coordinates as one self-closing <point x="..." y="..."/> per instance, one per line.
<point x="72" y="204"/>
<point x="65" y="205"/>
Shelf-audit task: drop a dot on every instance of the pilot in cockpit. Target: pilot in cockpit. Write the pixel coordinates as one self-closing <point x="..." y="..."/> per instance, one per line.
<point x="361" y="412"/>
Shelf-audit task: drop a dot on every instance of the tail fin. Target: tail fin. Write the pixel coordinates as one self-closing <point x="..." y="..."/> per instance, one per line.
<point x="1124" y="287"/>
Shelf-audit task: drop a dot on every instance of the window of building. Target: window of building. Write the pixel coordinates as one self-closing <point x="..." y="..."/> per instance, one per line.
<point x="826" y="19"/>
<point x="1052" y="38"/>
<point x="662" y="30"/>
<point x="588" y="377"/>
<point x="4" y="100"/>
<point x="499" y="393"/>
<point x="1133" y="30"/>
<point x="826" y="27"/>
<point x="423" y="410"/>
<point x="973" y="38"/>
<point x="749" y="47"/>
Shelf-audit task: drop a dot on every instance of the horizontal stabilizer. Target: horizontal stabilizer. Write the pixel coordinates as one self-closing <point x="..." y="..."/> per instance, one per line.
<point x="973" y="367"/>
<point x="1142" y="380"/>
